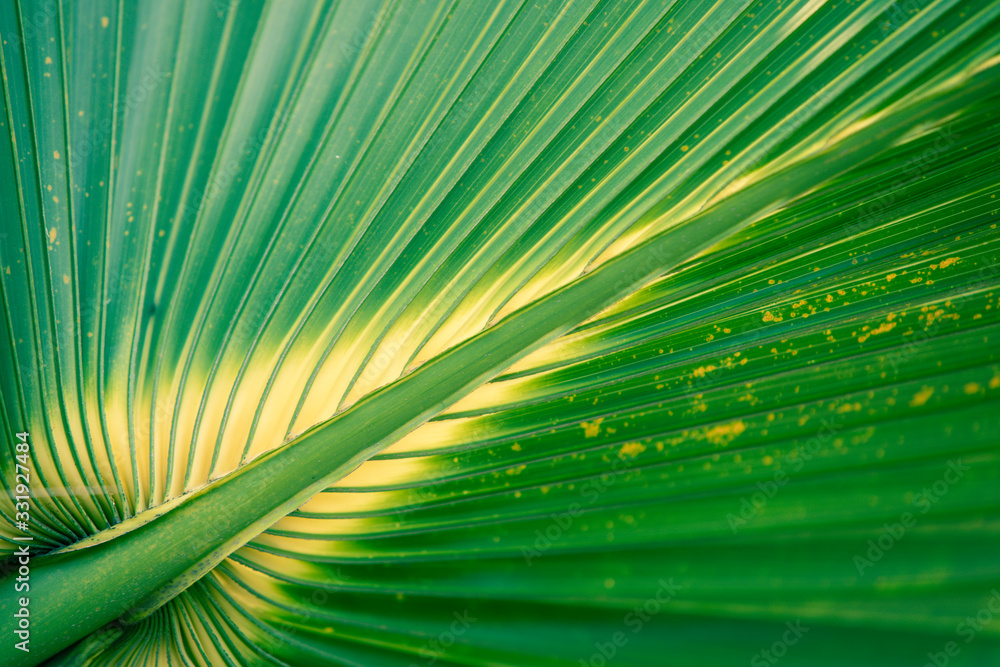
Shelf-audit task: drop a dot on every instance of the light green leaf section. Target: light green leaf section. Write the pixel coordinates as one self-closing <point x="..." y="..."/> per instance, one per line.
<point x="698" y="298"/>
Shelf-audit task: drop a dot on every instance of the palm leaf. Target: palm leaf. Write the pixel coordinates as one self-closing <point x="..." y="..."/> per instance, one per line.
<point x="501" y="333"/>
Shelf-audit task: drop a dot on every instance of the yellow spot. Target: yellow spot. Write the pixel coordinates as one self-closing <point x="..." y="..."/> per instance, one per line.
<point x="684" y="149"/>
<point x="948" y="262"/>
<point x="723" y="433"/>
<point x="767" y="460"/>
<point x="48" y="61"/>
<point x="768" y="316"/>
<point x="700" y="372"/>
<point x="609" y="583"/>
<point x="921" y="397"/>
<point x="52" y="235"/>
<point x="973" y="388"/>
<point x="631" y="449"/>
<point x="66" y="279"/>
<point x="516" y="447"/>
<point x="591" y="429"/>
<point x="890" y="277"/>
<point x="887" y="326"/>
<point x="105" y="22"/>
<point x="55" y="154"/>
<point x="516" y="470"/>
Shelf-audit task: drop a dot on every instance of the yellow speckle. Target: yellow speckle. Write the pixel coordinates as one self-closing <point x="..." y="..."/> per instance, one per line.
<point x="921" y="397"/>
<point x="591" y="429"/>
<point x="105" y="22"/>
<point x="723" y="433"/>
<point x="768" y="316"/>
<point x="700" y="372"/>
<point x="973" y="388"/>
<point x="948" y="262"/>
<point x="890" y="277"/>
<point x="516" y="470"/>
<point x="631" y="449"/>
<point x="887" y="326"/>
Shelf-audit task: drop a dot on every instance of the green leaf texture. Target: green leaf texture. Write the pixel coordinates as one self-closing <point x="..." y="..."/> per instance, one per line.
<point x="446" y="332"/>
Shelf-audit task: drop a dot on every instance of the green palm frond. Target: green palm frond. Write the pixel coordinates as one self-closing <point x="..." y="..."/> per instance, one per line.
<point x="500" y="333"/>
